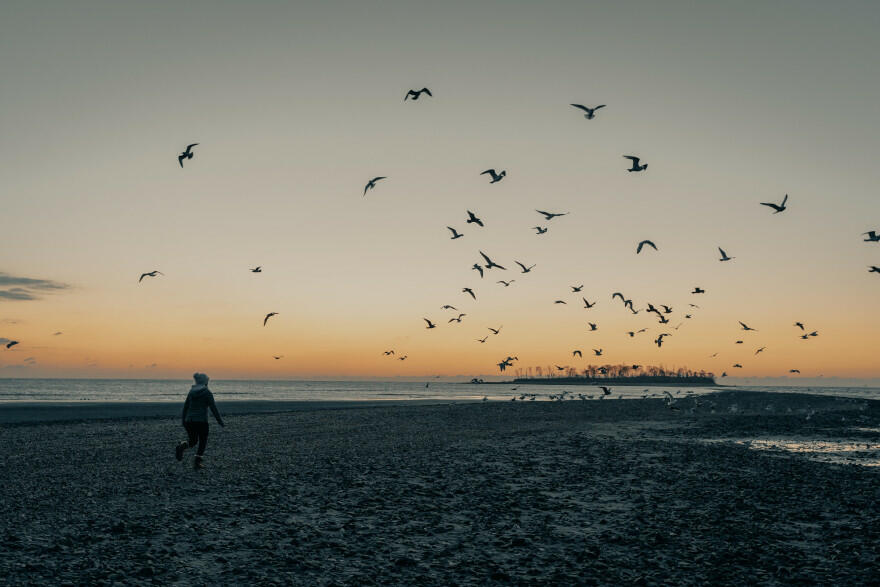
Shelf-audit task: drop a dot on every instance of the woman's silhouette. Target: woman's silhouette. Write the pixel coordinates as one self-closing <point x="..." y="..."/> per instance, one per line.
<point x="195" y="418"/>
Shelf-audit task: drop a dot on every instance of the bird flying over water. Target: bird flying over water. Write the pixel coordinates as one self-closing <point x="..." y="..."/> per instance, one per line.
<point x="415" y="94"/>
<point x="372" y="183"/>
<point x="724" y="256"/>
<point x="188" y="154"/>
<point x="643" y="243"/>
<point x="524" y="268"/>
<point x="468" y="290"/>
<point x="496" y="177"/>
<point x="269" y="315"/>
<point x="455" y="234"/>
<point x="430" y="324"/>
<point x="550" y="215"/>
<point x="635" y="163"/>
<point x="472" y="219"/>
<point x="777" y="207"/>
<point x="490" y="263"/>
<point x="590" y="112"/>
<point x="150" y="274"/>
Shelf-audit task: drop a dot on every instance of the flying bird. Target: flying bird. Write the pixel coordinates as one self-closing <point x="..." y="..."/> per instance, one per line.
<point x="643" y="243"/>
<point x="483" y="339"/>
<point x="388" y="353"/>
<point x="472" y="219"/>
<point x="576" y="288"/>
<point x="698" y="290"/>
<point x="468" y="290"/>
<point x="873" y="237"/>
<point x="794" y="370"/>
<point x="496" y="177"/>
<point x="799" y="325"/>
<point x="460" y="316"/>
<point x="524" y="268"/>
<point x="760" y="350"/>
<point x="593" y="327"/>
<point x="777" y="207"/>
<point x="455" y="234"/>
<point x="873" y="269"/>
<point x="724" y="256"/>
<point x="745" y="327"/>
<point x="277" y="357"/>
<point x="257" y="269"/>
<point x="540" y="229"/>
<point x="590" y="112"/>
<point x="505" y="283"/>
<point x="587" y="304"/>
<point x="188" y="154"/>
<point x="477" y="267"/>
<point x="738" y="366"/>
<point x="605" y="390"/>
<point x="430" y="324"/>
<point x="635" y="163"/>
<point x="150" y="274"/>
<point x="597" y="352"/>
<point x="269" y="315"/>
<point x="490" y="263"/>
<point x="495" y="330"/>
<point x="550" y="215"/>
<point x="372" y="183"/>
<point x="415" y="94"/>
<point x="11" y="344"/>
<point x="577" y="353"/>
<point x="559" y="302"/>
<point x="659" y="341"/>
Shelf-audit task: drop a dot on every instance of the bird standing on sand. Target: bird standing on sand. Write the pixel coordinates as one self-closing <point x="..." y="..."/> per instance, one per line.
<point x="777" y="207"/>
<point x="269" y="315"/>
<point x="416" y="94"/>
<point x="372" y="183"/>
<point x="590" y="112"/>
<point x="472" y="219"/>
<point x="150" y="274"/>
<point x="455" y="233"/>
<point x="188" y="154"/>
<point x="496" y="177"/>
<point x="643" y="243"/>
<point x="635" y="163"/>
<point x="724" y="256"/>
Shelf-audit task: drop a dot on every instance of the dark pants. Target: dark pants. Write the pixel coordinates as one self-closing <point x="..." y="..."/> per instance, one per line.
<point x="197" y="432"/>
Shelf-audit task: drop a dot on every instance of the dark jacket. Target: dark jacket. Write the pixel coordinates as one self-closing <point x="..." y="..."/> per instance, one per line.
<point x="195" y="409"/>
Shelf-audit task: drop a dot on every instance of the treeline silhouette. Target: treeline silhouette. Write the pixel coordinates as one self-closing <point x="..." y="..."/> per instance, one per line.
<point x="635" y="374"/>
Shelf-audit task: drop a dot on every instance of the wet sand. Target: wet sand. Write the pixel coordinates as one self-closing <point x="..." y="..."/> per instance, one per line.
<point x="617" y="492"/>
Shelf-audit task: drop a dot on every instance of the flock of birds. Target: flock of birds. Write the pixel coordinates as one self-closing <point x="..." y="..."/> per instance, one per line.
<point x="485" y="263"/>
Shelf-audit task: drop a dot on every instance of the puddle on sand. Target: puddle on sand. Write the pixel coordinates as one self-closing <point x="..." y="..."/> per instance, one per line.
<point x="844" y="451"/>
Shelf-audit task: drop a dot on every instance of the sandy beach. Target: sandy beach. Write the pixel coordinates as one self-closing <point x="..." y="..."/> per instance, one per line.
<point x="710" y="490"/>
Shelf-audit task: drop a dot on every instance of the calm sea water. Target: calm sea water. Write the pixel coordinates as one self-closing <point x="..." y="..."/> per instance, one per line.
<point x="163" y="390"/>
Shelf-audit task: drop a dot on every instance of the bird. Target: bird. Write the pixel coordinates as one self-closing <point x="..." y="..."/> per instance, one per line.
<point x="558" y="368"/>
<point x="430" y="324"/>
<point x="814" y="333"/>
<point x="799" y="325"/>
<point x="597" y="352"/>
<point x="576" y="288"/>
<point x="150" y="274"/>
<point x="257" y="269"/>
<point x="505" y="283"/>
<point x="577" y="353"/>
<point x="460" y="316"/>
<point x="724" y="256"/>
<point x="794" y="370"/>
<point x="738" y="342"/>
<point x="760" y="350"/>
<point x="550" y="215"/>
<point x="495" y="330"/>
<point x="659" y="341"/>
<point x="477" y="267"/>
<point x="276" y="357"/>
<point x="873" y="269"/>
<point x="605" y="389"/>
<point x="403" y="358"/>
<point x="738" y="366"/>
<point x="593" y="327"/>
<point x="559" y="302"/>
<point x="698" y="290"/>
<point x="873" y="237"/>
<point x="643" y="243"/>
<point x="11" y="344"/>
<point x="269" y="315"/>
<point x="448" y="307"/>
<point x="388" y="353"/>
<point x="587" y="304"/>
<point x="415" y="94"/>
<point x="617" y="294"/>
<point x="666" y="309"/>
<point x="635" y="163"/>
<point x="496" y="177"/>
<point x="490" y="263"/>
<point x="524" y="268"/>
<point x="468" y="290"/>
<point x="590" y="112"/>
<point x="188" y="154"/>
<point x="483" y="339"/>
<point x="777" y="207"/>
<point x="745" y="327"/>
<point x="372" y="183"/>
<point x="455" y="234"/>
<point x="540" y="229"/>
<point x="472" y="219"/>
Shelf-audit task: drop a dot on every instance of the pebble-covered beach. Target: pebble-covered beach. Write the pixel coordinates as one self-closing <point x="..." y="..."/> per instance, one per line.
<point x="621" y="492"/>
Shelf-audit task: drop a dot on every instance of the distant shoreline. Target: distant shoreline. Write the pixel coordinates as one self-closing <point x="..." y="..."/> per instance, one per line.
<point x="631" y="381"/>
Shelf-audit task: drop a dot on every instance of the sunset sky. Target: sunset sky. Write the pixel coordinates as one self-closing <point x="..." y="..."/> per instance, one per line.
<point x="296" y="105"/>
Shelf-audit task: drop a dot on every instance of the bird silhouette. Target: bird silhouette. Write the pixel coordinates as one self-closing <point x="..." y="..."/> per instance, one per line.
<point x="430" y="324"/>
<point x="605" y="390"/>
<point x="490" y="263"/>
<point x="468" y="290"/>
<point x="257" y="269"/>
<point x="550" y="215"/>
<point x="576" y="288"/>
<point x="524" y="268"/>
<point x="597" y="352"/>
<point x="11" y="344"/>
<point x="745" y="327"/>
<point x="269" y="315"/>
<point x="472" y="219"/>
<point x="277" y="357"/>
<point x="149" y="274"/>
<point x="738" y="366"/>
<point x="590" y="112"/>
<point x="698" y="290"/>
<point x="540" y="229"/>
<point x="873" y="237"/>
<point x="635" y="163"/>
<point x="477" y="267"/>
<point x="388" y="353"/>
<point x="496" y="177"/>
<point x="760" y="350"/>
<point x="587" y="304"/>
<point x="794" y="370"/>
<point x="416" y="94"/>
<point x="372" y="183"/>
<point x="188" y="154"/>
<point x="873" y="269"/>
<point x="455" y="234"/>
<point x="777" y="207"/>
<point x="505" y="283"/>
<point x="593" y="327"/>
<point x="495" y="330"/>
<point x="724" y="256"/>
<point x="577" y="353"/>
<point x="448" y="307"/>
<point x="483" y="339"/>
<point x="559" y="302"/>
<point x="799" y="325"/>
<point x="643" y="243"/>
<point x="458" y="319"/>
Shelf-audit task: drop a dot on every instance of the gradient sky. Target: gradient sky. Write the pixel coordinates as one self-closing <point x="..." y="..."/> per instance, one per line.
<point x="296" y="105"/>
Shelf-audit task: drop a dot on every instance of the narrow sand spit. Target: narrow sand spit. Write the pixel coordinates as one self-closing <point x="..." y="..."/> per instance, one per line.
<point x="614" y="492"/>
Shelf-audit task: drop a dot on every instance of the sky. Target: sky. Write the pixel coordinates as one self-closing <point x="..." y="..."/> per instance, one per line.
<point x="296" y="105"/>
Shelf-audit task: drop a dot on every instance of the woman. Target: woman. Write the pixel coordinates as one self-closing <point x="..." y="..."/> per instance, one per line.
<point x="195" y="418"/>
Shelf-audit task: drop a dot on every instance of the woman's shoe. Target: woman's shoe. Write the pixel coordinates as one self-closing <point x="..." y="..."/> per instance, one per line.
<point x="178" y="451"/>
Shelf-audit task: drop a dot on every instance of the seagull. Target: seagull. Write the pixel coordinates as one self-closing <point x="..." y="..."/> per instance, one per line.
<point x="150" y="274"/>
<point x="873" y="237"/>
<point x="505" y="283"/>
<point x="738" y="366"/>
<point x="455" y="234"/>
<point x="468" y="290"/>
<point x="550" y="215"/>
<point x="794" y="370"/>
<point x="635" y="164"/>
<point x="11" y="344"/>
<point x="430" y="324"/>
<point x="448" y="307"/>
<point x="276" y="357"/>
<point x="269" y="315"/>
<point x="477" y="267"/>
<point x="558" y="368"/>
<point x="415" y="94"/>
<point x="490" y="263"/>
<point x="577" y="353"/>
<point x="597" y="352"/>
<point x="643" y="243"/>
<point x="188" y="154"/>
<point x="724" y="256"/>
<point x="620" y="295"/>
<point x="372" y="183"/>
<point x="814" y="333"/>
<point x="540" y="229"/>
<point x="403" y="358"/>
<point x="590" y="112"/>
<point x="698" y="290"/>
<point x="460" y="316"/>
<point x="495" y="330"/>
<point x="587" y="304"/>
<point x="257" y="269"/>
<point x="659" y="341"/>
<point x="559" y="302"/>
<point x="496" y="177"/>
<point x="777" y="207"/>
<point x="388" y="353"/>
<point x="873" y="269"/>
<point x="483" y="339"/>
<point x="738" y="342"/>
<point x="666" y="309"/>
<point x="744" y="327"/>
<point x="576" y="288"/>
<point x="472" y="219"/>
<point x="799" y="325"/>
<point x="593" y="327"/>
<point x="524" y="268"/>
